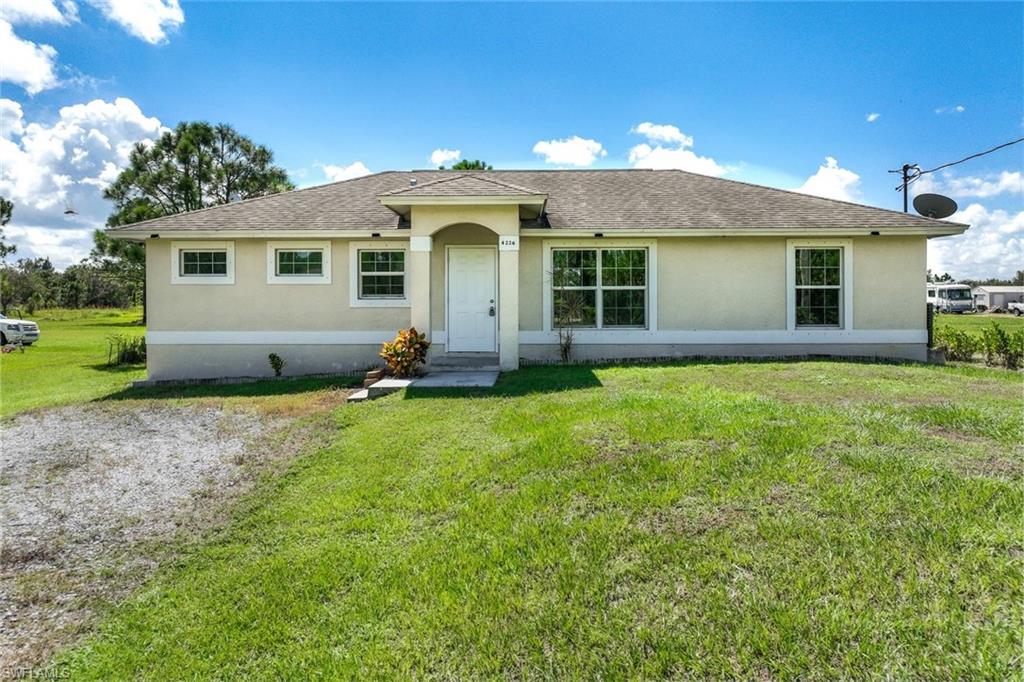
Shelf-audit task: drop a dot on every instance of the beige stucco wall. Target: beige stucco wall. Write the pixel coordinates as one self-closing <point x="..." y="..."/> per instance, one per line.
<point x="889" y="276"/>
<point x="739" y="283"/>
<point x="427" y="220"/>
<point x="531" y="283"/>
<point x="722" y="283"/>
<point x="251" y="304"/>
<point x="165" y="363"/>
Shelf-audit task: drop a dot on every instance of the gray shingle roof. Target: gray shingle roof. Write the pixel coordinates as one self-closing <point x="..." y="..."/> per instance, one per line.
<point x="577" y="199"/>
<point x="468" y="185"/>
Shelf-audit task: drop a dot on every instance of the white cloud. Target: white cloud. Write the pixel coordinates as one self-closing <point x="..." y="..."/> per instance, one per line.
<point x="63" y="247"/>
<point x="645" y="156"/>
<point x="992" y="185"/>
<point x="956" y="109"/>
<point x="149" y="20"/>
<point x="353" y="170"/>
<point x="11" y="119"/>
<point x="993" y="247"/>
<point x="673" y="154"/>
<point x="832" y="182"/>
<point x="572" y="151"/>
<point x="873" y="116"/>
<point x="662" y="133"/>
<point x="30" y="65"/>
<point x="440" y="157"/>
<point x="44" y="166"/>
<point x="37" y="12"/>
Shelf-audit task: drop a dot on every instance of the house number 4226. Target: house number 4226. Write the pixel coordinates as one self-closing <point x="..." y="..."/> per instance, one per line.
<point x="508" y="243"/>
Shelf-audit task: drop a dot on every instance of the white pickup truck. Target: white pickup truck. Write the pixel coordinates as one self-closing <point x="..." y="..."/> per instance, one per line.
<point x="1016" y="307"/>
<point x="17" y="331"/>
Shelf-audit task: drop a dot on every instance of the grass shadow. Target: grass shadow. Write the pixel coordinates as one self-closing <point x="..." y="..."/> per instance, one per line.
<point x="115" y="369"/>
<point x="267" y="387"/>
<point x="526" y="381"/>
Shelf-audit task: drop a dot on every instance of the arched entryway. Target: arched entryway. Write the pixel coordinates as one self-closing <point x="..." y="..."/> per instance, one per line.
<point x="464" y="288"/>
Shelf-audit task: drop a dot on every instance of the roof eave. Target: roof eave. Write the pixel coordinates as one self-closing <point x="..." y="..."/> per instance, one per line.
<point x="218" y="233"/>
<point x="612" y="232"/>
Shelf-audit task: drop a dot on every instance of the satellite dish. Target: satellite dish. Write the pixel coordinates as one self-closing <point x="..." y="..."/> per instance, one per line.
<point x="934" y="206"/>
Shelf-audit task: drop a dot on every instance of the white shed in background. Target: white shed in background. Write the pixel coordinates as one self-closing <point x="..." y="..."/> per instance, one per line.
<point x="996" y="297"/>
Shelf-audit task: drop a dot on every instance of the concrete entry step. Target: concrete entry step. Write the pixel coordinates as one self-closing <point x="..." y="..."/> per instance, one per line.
<point x="379" y="389"/>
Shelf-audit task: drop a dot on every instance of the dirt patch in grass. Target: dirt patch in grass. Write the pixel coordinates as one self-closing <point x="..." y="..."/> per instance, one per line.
<point x="93" y="498"/>
<point x="992" y="466"/>
<point x="695" y="516"/>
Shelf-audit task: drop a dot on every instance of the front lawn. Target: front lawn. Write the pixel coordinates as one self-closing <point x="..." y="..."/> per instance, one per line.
<point x="762" y="520"/>
<point x="68" y="363"/>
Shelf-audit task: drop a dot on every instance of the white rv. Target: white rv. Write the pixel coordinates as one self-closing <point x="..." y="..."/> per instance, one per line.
<point x="950" y="298"/>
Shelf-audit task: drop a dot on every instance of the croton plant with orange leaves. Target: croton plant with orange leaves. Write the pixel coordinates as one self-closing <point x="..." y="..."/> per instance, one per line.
<point x="406" y="353"/>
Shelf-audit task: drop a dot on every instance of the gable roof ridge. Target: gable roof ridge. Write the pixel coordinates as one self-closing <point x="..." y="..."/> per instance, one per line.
<point x="461" y="176"/>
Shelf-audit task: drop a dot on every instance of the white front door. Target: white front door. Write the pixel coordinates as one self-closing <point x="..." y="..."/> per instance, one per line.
<point x="472" y="299"/>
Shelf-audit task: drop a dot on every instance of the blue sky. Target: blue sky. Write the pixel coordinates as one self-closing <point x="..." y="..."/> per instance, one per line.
<point x="757" y="92"/>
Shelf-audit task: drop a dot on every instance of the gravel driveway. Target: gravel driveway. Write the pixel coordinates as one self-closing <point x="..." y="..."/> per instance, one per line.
<point x="85" y="490"/>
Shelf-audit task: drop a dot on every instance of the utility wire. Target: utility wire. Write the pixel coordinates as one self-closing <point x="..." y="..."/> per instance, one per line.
<point x="918" y="172"/>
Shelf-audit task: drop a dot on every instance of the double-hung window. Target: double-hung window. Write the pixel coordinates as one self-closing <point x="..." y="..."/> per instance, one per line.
<point x="381" y="274"/>
<point x="377" y="274"/>
<point x="819" y="284"/>
<point x="599" y="287"/>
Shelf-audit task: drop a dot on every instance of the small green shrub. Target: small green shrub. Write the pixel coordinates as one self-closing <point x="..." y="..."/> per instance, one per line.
<point x="276" y="363"/>
<point x="1001" y="347"/>
<point x="125" y="350"/>
<point x="957" y="343"/>
<point x="406" y="353"/>
<point x="1016" y="354"/>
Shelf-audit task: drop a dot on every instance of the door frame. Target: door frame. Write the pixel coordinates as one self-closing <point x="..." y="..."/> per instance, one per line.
<point x="447" y="308"/>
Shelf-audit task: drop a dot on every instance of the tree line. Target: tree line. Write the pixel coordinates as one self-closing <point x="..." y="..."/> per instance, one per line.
<point x="1016" y="281"/>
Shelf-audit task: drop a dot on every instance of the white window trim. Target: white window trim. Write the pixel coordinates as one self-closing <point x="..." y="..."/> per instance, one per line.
<point x="304" y="245"/>
<point x="178" y="247"/>
<point x="606" y="243"/>
<point x="353" y="274"/>
<point x="846" y="323"/>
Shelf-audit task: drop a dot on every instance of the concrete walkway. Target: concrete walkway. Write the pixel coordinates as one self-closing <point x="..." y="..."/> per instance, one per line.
<point x="436" y="379"/>
<point x="457" y="379"/>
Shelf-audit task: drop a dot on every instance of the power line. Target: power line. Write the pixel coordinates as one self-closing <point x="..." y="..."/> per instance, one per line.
<point x="973" y="156"/>
<point x="914" y="172"/>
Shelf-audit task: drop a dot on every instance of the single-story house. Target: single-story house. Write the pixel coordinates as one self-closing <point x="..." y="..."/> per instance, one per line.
<point x="996" y="297"/>
<point x="639" y="263"/>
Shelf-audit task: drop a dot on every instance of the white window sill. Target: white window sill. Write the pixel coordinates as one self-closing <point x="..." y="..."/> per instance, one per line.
<point x="297" y="279"/>
<point x="381" y="303"/>
<point x="203" y="279"/>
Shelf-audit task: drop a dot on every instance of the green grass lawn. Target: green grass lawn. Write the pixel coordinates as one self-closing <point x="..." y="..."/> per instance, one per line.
<point x="68" y="363"/>
<point x="755" y="520"/>
<point x="975" y="321"/>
